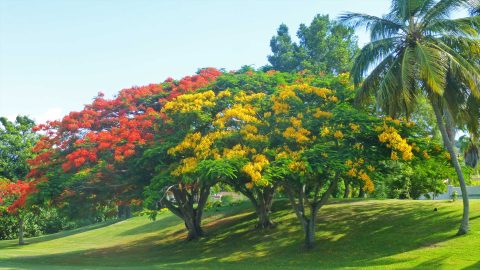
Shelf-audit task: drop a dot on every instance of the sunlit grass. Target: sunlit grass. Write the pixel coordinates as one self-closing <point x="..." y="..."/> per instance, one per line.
<point x="388" y="234"/>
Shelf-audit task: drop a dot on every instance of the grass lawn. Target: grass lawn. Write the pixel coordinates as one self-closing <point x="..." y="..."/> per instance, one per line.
<point x="372" y="234"/>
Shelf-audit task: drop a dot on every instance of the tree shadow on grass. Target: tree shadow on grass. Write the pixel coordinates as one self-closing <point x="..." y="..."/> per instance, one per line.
<point x="358" y="235"/>
<point x="474" y="266"/>
<point x="169" y="220"/>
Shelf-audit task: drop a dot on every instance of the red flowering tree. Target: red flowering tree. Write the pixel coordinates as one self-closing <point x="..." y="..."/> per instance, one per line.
<point x="91" y="153"/>
<point x="13" y="197"/>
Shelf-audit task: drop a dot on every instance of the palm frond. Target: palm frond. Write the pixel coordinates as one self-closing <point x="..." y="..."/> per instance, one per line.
<point x="472" y="116"/>
<point x="468" y="26"/>
<point x="408" y="69"/>
<point x="392" y="95"/>
<point x="405" y="9"/>
<point x="379" y="27"/>
<point x="427" y="5"/>
<point x="466" y="69"/>
<point x="371" y="83"/>
<point x="432" y="67"/>
<point x="371" y="54"/>
<point x="442" y="10"/>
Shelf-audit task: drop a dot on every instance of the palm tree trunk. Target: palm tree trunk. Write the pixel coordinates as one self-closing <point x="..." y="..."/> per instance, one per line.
<point x="464" y="227"/>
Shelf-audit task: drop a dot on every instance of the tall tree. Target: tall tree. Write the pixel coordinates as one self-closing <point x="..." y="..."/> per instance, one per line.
<point x="284" y="57"/>
<point x="413" y="48"/>
<point x="324" y="46"/>
<point x="16" y="142"/>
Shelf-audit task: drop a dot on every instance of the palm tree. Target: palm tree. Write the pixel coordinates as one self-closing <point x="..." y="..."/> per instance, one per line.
<point x="413" y="51"/>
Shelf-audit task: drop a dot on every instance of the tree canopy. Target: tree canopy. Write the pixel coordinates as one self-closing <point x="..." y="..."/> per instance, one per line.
<point x="324" y="46"/>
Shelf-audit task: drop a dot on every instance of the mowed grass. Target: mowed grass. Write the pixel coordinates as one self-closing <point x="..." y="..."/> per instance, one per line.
<point x="371" y="234"/>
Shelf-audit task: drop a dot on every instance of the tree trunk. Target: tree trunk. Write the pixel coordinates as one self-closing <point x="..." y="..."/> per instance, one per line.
<point x="361" y="193"/>
<point x="309" y="222"/>
<point x="263" y="212"/>
<point x="261" y="199"/>
<point x="20" y="231"/>
<point x="464" y="226"/>
<point x="347" y="189"/>
<point x="264" y="206"/>
<point x="309" y="229"/>
<point x="121" y="211"/>
<point x="184" y="208"/>
<point x="128" y="211"/>
<point x="193" y="227"/>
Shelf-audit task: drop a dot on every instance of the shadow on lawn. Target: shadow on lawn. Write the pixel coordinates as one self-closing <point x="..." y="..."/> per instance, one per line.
<point x="474" y="266"/>
<point x="163" y="221"/>
<point x="361" y="234"/>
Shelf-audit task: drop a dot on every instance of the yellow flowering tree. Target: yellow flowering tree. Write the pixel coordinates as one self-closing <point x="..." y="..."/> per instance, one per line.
<point x="320" y="139"/>
<point x="258" y="132"/>
<point x="235" y="149"/>
<point x="183" y="190"/>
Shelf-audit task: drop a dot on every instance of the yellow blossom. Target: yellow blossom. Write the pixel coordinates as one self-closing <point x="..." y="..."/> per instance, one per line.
<point x="355" y="128"/>
<point x="338" y="134"/>
<point x="237" y="112"/>
<point x="225" y="93"/>
<point x="188" y="165"/>
<point x="244" y="98"/>
<point x="349" y="163"/>
<point x="425" y="155"/>
<point x="393" y="140"/>
<point x="325" y="131"/>
<point x="319" y="113"/>
<point x="358" y="146"/>
<point x="190" y="102"/>
<point x="334" y="99"/>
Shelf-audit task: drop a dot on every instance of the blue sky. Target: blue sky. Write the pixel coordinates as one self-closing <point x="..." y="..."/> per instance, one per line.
<point x="55" y="56"/>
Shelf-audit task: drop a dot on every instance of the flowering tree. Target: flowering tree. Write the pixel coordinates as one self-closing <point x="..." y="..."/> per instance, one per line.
<point x="16" y="141"/>
<point x="91" y="154"/>
<point x="231" y="135"/>
<point x="13" y="196"/>
<point x="320" y="139"/>
<point x="255" y="131"/>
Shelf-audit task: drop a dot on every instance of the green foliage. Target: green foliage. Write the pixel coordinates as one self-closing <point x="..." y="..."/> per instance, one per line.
<point x="16" y="142"/>
<point x="410" y="181"/>
<point x="227" y="199"/>
<point x="38" y="221"/>
<point x="324" y="46"/>
<point x="454" y="195"/>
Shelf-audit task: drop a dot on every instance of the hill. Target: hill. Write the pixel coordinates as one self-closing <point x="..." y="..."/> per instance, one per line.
<point x="388" y="234"/>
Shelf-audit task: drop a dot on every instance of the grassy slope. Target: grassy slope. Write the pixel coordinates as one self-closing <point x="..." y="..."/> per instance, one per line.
<point x="354" y="234"/>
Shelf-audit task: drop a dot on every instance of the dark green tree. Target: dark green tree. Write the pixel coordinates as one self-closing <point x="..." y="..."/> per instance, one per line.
<point x="16" y="142"/>
<point x="324" y="46"/>
<point x="284" y="51"/>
